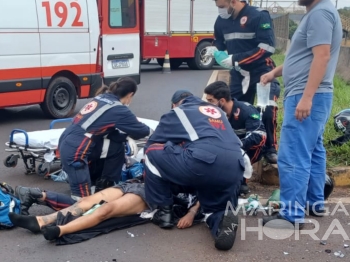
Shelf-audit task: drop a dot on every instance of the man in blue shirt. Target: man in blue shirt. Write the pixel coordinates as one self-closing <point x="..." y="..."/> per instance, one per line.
<point x="308" y="72"/>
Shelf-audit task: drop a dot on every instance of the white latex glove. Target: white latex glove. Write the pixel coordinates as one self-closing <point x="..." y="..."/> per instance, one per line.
<point x="248" y="166"/>
<point x="133" y="146"/>
<point x="210" y="50"/>
<point x="227" y="62"/>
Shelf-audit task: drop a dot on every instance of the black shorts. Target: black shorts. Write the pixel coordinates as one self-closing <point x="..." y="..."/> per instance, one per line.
<point x="134" y="188"/>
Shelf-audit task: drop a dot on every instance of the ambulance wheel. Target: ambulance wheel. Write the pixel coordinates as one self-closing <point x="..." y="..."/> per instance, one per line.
<point x="60" y="99"/>
<point x="8" y="163"/>
<point x="41" y="170"/>
<point x="175" y="63"/>
<point x="199" y="62"/>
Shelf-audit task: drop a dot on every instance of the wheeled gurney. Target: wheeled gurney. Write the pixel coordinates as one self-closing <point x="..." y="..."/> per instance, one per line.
<point x="39" y="149"/>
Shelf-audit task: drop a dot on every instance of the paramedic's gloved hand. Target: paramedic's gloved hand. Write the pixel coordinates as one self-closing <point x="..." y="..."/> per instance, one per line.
<point x="267" y="78"/>
<point x="133" y="146"/>
<point x="210" y="50"/>
<point x="227" y="62"/>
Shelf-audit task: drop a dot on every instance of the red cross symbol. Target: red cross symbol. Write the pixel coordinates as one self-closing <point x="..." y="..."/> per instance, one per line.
<point x="88" y="107"/>
<point x="211" y="111"/>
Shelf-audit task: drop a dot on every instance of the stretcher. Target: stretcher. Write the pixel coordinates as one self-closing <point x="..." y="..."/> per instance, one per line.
<point x="39" y="149"/>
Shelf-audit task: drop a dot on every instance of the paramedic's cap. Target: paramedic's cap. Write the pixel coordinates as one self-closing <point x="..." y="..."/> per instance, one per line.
<point x="179" y="95"/>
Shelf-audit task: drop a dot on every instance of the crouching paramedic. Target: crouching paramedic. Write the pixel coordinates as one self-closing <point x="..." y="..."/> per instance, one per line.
<point x="246" y="32"/>
<point x="244" y="119"/>
<point x="107" y="115"/>
<point x="188" y="150"/>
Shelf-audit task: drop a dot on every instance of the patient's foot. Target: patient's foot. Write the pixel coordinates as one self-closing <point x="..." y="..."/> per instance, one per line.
<point x="51" y="232"/>
<point x="27" y="222"/>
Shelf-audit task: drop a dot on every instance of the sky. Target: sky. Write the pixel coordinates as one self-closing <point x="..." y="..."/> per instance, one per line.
<point x="286" y="3"/>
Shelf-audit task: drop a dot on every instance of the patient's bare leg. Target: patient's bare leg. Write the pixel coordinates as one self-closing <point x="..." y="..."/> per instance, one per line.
<point x="129" y="204"/>
<point x="34" y="224"/>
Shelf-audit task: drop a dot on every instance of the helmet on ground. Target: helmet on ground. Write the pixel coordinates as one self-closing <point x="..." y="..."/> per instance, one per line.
<point x="328" y="187"/>
<point x="342" y="121"/>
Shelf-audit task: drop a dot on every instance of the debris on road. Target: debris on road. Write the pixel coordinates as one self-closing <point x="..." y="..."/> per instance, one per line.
<point x="339" y="254"/>
<point x="346" y="245"/>
<point x="286" y="253"/>
<point x="323" y="243"/>
<point x="131" y="234"/>
<point x="328" y="251"/>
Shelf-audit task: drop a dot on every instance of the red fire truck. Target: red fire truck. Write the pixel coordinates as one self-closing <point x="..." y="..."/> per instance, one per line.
<point x="61" y="50"/>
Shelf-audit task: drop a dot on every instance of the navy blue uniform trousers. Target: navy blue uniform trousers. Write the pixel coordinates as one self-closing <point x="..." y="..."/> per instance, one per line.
<point x="215" y="173"/>
<point x="109" y="168"/>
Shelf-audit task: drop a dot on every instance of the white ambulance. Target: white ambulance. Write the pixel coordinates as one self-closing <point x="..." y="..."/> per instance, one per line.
<point x="55" y="51"/>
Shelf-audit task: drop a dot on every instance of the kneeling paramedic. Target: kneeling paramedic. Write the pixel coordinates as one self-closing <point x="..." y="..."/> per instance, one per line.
<point x="246" y="32"/>
<point x="106" y="115"/>
<point x="244" y="119"/>
<point x="188" y="149"/>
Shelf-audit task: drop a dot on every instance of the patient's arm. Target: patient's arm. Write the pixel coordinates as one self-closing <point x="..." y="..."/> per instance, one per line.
<point x="187" y="220"/>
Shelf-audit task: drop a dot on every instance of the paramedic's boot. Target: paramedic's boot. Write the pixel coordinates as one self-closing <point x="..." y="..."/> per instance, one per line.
<point x="271" y="158"/>
<point x="226" y="234"/>
<point x="28" y="196"/>
<point x="164" y="217"/>
<point x="244" y="189"/>
<point x="103" y="184"/>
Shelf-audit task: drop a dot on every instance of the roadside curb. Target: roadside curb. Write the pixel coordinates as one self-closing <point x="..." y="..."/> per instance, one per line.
<point x="268" y="174"/>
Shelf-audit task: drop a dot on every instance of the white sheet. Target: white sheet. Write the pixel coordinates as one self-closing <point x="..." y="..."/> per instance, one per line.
<point x="49" y="138"/>
<point x="40" y="139"/>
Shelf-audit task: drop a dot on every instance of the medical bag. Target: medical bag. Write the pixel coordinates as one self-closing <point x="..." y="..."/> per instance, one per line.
<point x="8" y="203"/>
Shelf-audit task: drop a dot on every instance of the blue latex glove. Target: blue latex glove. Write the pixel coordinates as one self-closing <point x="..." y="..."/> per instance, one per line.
<point x="223" y="59"/>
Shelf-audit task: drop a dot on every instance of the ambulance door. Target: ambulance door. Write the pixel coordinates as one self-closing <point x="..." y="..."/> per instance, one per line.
<point x="20" y="74"/>
<point x="120" y="40"/>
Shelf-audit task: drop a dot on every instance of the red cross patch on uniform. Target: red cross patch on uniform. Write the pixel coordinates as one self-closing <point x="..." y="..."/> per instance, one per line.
<point x="88" y="108"/>
<point x="244" y="20"/>
<point x="210" y="111"/>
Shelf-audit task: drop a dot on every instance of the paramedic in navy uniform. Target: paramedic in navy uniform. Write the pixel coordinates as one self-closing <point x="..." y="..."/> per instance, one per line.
<point x="194" y="146"/>
<point x="107" y="115"/>
<point x="99" y="118"/>
<point x="246" y="33"/>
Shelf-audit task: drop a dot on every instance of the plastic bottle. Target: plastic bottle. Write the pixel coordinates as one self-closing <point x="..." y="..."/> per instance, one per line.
<point x="94" y="207"/>
<point x="274" y="199"/>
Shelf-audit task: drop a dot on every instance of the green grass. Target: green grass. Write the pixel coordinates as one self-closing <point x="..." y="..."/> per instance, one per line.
<point x="336" y="156"/>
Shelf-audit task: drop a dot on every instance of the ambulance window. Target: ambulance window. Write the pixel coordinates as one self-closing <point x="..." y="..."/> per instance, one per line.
<point x="122" y="13"/>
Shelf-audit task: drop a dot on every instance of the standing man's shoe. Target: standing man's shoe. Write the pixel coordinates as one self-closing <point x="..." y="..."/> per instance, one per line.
<point x="271" y="158"/>
<point x="27" y="196"/>
<point x="164" y="217"/>
<point x="226" y="234"/>
<point x="278" y="221"/>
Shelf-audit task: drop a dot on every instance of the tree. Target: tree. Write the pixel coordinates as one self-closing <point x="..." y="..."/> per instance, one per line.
<point x="292" y="27"/>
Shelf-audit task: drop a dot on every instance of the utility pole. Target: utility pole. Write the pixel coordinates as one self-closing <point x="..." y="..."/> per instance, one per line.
<point x="261" y="2"/>
<point x="336" y="3"/>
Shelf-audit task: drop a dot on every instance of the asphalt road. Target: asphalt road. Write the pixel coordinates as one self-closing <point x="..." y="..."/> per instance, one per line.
<point x="150" y="243"/>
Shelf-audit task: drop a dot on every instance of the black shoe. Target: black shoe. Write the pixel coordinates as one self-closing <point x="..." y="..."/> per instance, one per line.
<point x="227" y="232"/>
<point x="164" y="217"/>
<point x="277" y="221"/>
<point x="244" y="190"/>
<point x="103" y="184"/>
<point x="271" y="158"/>
<point x="28" y="196"/>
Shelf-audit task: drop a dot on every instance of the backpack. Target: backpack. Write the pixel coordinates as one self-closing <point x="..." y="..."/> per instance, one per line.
<point x="8" y="203"/>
